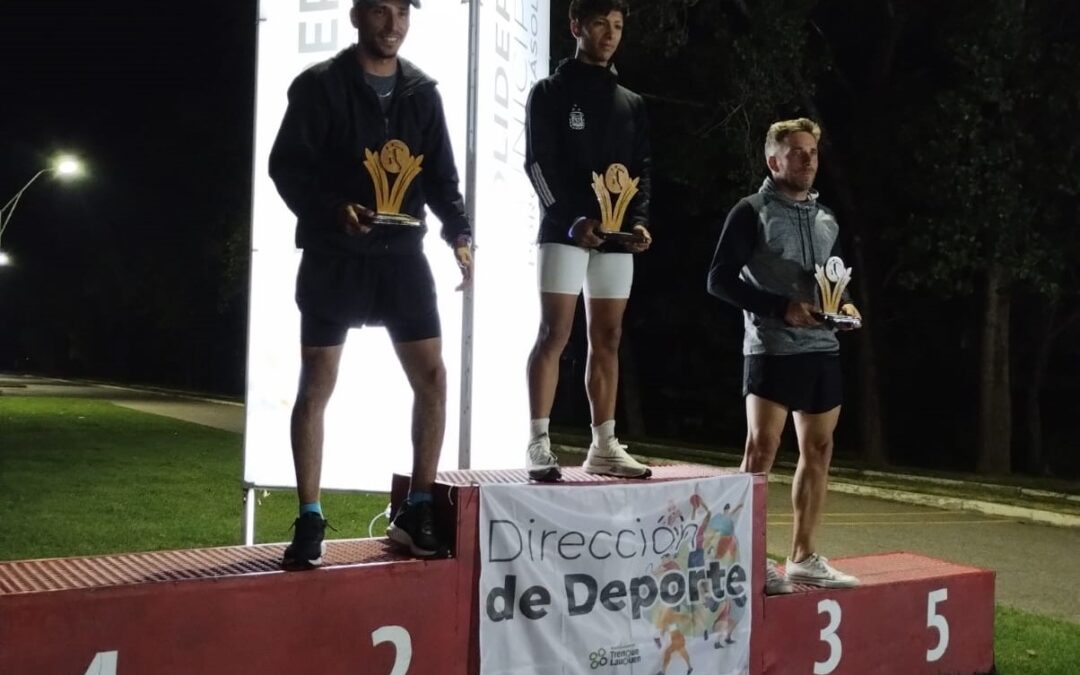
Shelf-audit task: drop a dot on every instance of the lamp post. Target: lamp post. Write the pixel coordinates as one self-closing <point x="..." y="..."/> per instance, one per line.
<point x="64" y="166"/>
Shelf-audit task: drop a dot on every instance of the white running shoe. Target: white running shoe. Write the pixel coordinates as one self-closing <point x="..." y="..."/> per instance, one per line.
<point x="816" y="571"/>
<point x="775" y="582"/>
<point x="542" y="463"/>
<point x="612" y="460"/>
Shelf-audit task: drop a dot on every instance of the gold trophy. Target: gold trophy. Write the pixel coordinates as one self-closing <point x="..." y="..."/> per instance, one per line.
<point x="615" y="181"/>
<point x="393" y="160"/>
<point x="832" y="279"/>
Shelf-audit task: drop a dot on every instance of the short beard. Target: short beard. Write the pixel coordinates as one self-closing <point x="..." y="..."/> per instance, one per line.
<point x="373" y="50"/>
<point x="793" y="186"/>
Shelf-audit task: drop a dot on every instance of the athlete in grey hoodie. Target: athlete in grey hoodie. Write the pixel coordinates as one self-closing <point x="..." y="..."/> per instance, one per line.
<point x="764" y="264"/>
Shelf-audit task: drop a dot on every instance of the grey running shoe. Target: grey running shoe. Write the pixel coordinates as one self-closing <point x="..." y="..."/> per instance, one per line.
<point x="542" y="463"/>
<point x="775" y="582"/>
<point x="816" y="571"/>
<point x="611" y="459"/>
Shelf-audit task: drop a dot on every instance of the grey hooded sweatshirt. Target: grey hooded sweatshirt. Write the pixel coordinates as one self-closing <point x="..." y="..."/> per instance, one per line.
<point x="765" y="258"/>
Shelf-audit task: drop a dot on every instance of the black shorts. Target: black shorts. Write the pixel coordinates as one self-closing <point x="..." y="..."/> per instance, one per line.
<point x="336" y="293"/>
<point x="810" y="383"/>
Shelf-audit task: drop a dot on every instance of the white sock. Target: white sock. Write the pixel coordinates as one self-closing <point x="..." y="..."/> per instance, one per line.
<point x="538" y="427"/>
<point x="602" y="432"/>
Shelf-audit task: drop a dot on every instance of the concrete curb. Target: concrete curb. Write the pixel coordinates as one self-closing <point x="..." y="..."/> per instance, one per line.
<point x="153" y="390"/>
<point x="161" y="391"/>
<point x="1012" y="490"/>
<point x="837" y="484"/>
<point x="942" y="502"/>
<point x="853" y="475"/>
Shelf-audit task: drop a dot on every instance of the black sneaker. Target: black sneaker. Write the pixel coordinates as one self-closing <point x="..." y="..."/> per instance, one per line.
<point x="307" y="547"/>
<point x="414" y="528"/>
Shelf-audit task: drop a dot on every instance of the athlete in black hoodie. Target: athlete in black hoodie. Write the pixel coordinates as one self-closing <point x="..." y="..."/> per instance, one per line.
<point x="357" y="128"/>
<point x="586" y="145"/>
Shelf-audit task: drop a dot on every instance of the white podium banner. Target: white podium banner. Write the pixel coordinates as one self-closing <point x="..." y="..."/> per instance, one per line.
<point x="626" y="578"/>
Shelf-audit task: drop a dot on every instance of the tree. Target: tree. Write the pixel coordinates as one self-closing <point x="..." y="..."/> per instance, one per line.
<point x="981" y="232"/>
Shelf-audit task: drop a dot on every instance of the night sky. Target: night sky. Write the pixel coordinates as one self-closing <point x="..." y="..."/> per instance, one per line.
<point x="157" y="100"/>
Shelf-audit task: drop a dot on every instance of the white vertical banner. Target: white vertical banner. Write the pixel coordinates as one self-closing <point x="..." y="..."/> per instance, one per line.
<point x="629" y="579"/>
<point x="513" y="56"/>
<point x="369" y="417"/>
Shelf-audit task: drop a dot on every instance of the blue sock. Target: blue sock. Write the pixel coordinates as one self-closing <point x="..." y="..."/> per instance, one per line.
<point x="417" y="497"/>
<point x="312" y="507"/>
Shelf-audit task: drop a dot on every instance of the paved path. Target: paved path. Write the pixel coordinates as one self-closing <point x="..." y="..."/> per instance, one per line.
<point x="207" y="412"/>
<point x="1036" y="564"/>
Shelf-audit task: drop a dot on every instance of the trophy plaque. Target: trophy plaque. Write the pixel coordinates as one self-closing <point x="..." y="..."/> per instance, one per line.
<point x="396" y="161"/>
<point x="832" y="279"/>
<point x="615" y="181"/>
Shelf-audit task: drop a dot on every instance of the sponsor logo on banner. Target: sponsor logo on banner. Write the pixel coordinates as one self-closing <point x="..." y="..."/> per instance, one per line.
<point x="647" y="578"/>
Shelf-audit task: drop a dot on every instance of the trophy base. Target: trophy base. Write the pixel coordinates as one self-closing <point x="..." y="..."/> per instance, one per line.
<point x="395" y="220"/>
<point x="840" y="320"/>
<point x="620" y="237"/>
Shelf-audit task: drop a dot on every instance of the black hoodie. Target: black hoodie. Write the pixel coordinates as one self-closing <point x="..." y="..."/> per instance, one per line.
<point x="579" y="121"/>
<point x="317" y="162"/>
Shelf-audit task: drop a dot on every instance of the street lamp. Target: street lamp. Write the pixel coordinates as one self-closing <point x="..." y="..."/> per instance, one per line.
<point x="66" y="167"/>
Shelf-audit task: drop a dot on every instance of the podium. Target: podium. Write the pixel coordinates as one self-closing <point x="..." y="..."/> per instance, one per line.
<point x="372" y="610"/>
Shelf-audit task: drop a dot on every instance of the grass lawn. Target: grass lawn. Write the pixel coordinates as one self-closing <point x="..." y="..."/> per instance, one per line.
<point x="1026" y="644"/>
<point x="84" y="477"/>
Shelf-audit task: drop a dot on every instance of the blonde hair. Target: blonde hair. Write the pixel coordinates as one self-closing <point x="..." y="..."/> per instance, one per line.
<point x="779" y="131"/>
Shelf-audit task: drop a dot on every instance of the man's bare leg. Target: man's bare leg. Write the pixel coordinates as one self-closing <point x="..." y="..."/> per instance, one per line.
<point x="413" y="526"/>
<point x="605" y="316"/>
<point x="765" y="422"/>
<point x="318" y="375"/>
<point x="556" y="322"/>
<point x="606" y="456"/>
<point x="815" y="433"/>
<point x="423" y="365"/>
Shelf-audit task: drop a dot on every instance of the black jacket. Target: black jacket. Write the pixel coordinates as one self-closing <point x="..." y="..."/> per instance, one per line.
<point x="317" y="162"/>
<point x="578" y="121"/>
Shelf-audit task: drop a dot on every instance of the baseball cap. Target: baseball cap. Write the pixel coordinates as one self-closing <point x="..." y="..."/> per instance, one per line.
<point x="414" y="3"/>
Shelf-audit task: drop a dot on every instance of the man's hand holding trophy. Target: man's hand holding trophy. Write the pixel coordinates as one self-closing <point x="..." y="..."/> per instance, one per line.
<point x="832" y="280"/>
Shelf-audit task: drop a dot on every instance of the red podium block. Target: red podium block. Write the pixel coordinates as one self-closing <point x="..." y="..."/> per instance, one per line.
<point x="229" y="610"/>
<point x="373" y="611"/>
<point x="910" y="615"/>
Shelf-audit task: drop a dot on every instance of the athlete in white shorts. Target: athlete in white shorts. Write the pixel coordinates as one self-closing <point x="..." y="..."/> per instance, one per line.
<point x="565" y="269"/>
<point x="586" y="141"/>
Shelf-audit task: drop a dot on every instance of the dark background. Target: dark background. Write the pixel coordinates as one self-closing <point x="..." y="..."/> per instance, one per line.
<point x="949" y="155"/>
<point x="137" y="272"/>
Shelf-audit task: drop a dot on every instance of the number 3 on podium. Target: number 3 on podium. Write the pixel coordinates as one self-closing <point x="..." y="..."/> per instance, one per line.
<point x="829" y="635"/>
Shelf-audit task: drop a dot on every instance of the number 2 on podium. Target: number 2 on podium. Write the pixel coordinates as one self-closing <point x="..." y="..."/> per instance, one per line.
<point x="104" y="663"/>
<point x="399" y="637"/>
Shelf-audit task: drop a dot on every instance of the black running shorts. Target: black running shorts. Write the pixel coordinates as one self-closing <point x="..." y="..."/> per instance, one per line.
<point x="336" y="293"/>
<point x="810" y="383"/>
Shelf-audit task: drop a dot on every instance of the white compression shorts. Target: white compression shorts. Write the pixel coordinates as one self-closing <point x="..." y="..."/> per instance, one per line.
<point x="565" y="269"/>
